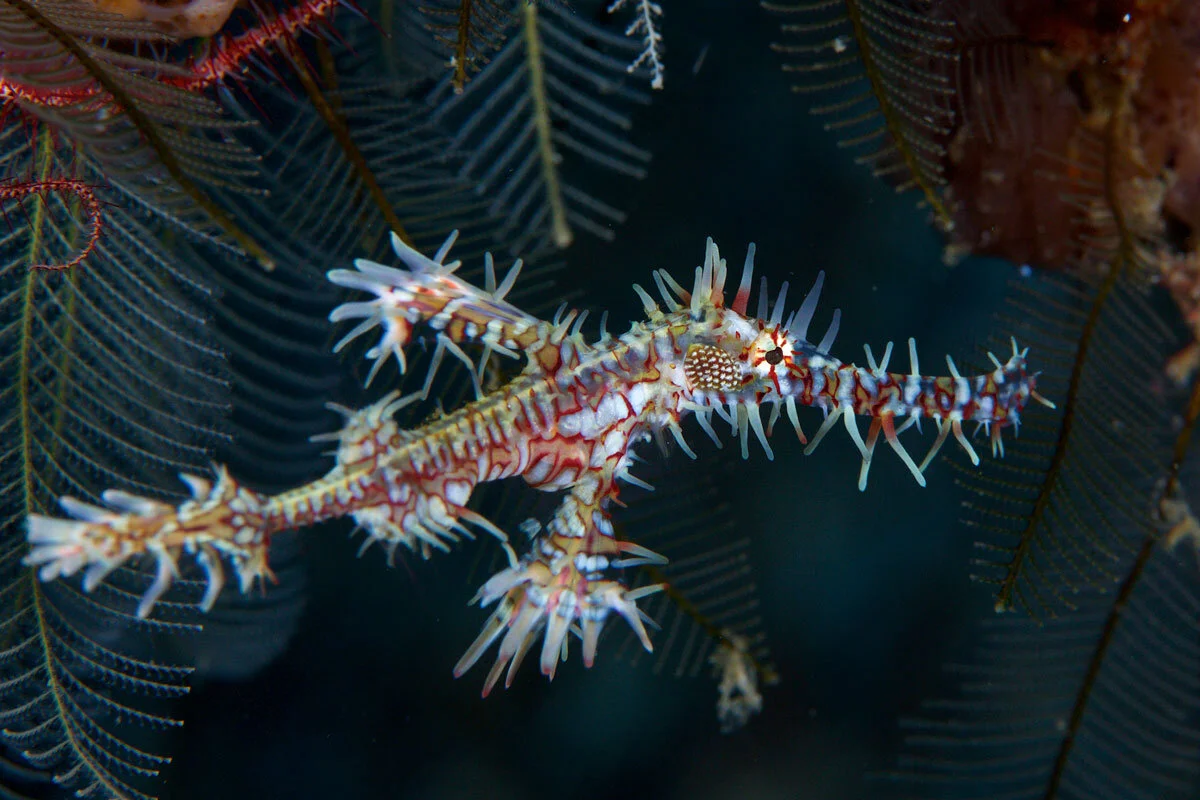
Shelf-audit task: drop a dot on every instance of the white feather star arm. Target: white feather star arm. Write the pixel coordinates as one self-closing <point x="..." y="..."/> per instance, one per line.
<point x="645" y="24"/>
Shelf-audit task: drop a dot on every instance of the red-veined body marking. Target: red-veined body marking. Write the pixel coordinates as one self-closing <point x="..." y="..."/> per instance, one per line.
<point x="568" y="421"/>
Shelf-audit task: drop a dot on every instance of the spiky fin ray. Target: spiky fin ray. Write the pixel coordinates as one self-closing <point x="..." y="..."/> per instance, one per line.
<point x="429" y="293"/>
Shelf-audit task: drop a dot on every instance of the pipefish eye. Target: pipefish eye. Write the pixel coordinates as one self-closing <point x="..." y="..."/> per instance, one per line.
<point x="774" y="357"/>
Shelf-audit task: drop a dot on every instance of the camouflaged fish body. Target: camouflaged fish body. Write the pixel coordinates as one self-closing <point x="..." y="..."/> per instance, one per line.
<point x="569" y="421"/>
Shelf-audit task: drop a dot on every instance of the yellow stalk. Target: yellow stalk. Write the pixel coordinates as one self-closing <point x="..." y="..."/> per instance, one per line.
<point x="561" y="231"/>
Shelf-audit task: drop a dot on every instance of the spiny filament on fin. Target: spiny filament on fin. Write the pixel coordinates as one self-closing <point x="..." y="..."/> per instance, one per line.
<point x="569" y="421"/>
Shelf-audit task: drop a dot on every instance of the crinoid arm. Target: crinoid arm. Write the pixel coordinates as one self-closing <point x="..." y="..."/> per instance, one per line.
<point x="738" y="693"/>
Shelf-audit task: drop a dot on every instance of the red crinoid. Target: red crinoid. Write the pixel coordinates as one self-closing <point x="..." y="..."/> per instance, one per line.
<point x="36" y="190"/>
